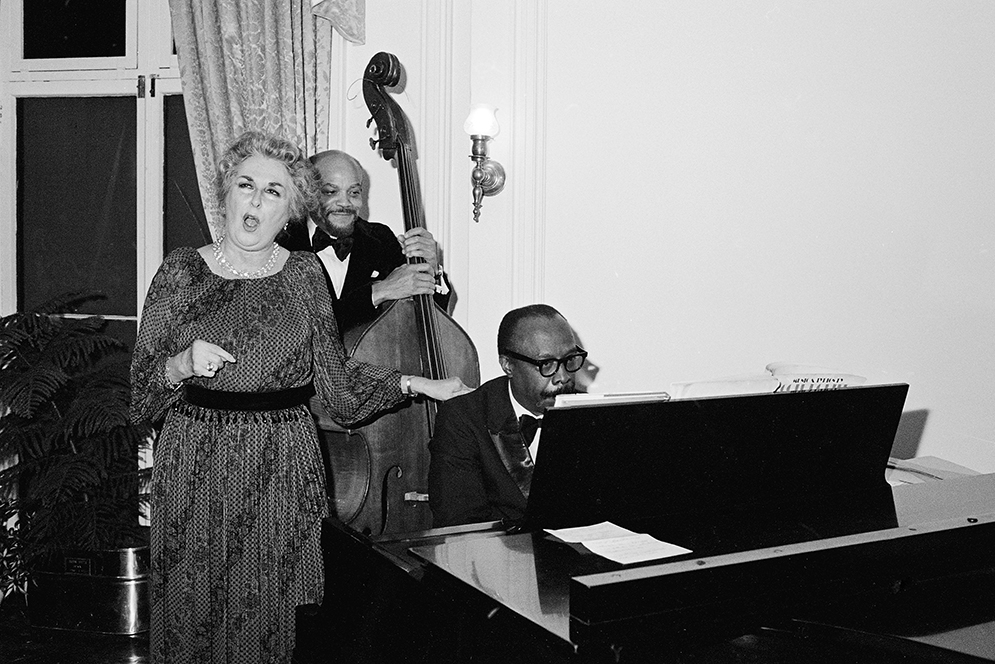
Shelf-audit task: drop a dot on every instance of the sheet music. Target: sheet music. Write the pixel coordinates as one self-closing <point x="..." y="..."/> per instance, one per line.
<point x="634" y="549"/>
<point x="594" y="399"/>
<point x="619" y="544"/>
<point x="603" y="530"/>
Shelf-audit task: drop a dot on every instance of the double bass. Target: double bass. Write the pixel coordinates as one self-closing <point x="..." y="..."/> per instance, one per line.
<point x="380" y="474"/>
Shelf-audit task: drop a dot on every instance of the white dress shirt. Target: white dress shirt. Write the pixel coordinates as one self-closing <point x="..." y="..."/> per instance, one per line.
<point x="336" y="269"/>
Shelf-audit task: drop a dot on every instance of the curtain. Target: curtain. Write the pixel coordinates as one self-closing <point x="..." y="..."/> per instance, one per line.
<point x="256" y="64"/>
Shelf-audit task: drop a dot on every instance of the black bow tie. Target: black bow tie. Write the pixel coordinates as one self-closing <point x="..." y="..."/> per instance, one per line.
<point x="529" y="426"/>
<point x="321" y="239"/>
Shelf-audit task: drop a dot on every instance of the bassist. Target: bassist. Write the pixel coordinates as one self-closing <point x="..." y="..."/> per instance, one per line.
<point x="364" y="263"/>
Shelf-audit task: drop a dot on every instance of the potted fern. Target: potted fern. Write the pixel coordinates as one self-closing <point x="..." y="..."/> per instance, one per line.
<point x="70" y="476"/>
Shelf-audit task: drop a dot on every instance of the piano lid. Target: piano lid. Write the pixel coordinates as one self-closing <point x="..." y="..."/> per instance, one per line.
<point x="758" y="454"/>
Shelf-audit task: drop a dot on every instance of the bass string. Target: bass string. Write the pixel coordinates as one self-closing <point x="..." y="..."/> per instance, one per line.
<point x="414" y="218"/>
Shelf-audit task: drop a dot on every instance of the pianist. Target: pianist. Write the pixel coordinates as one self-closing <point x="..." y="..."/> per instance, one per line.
<point x="486" y="442"/>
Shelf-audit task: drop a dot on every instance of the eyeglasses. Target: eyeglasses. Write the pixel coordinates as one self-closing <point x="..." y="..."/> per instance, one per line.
<point x="550" y="366"/>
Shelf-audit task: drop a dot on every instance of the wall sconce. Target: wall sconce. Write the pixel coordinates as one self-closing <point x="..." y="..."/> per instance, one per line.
<point x="488" y="175"/>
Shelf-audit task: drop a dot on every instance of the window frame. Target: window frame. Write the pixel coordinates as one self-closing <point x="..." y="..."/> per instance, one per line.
<point x="19" y="65"/>
<point x="149" y="55"/>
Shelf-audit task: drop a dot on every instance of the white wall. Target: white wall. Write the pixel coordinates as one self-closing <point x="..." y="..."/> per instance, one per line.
<point x="704" y="187"/>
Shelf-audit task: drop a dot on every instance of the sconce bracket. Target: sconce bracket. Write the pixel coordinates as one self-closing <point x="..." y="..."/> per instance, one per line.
<point x="488" y="176"/>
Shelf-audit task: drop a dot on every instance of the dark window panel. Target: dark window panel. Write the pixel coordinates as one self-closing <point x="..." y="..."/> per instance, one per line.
<point x="74" y="28"/>
<point x="77" y="200"/>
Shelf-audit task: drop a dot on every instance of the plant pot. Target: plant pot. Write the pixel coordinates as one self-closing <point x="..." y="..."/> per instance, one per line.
<point x="103" y="591"/>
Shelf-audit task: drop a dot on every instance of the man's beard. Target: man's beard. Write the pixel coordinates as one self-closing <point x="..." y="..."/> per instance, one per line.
<point x="338" y="221"/>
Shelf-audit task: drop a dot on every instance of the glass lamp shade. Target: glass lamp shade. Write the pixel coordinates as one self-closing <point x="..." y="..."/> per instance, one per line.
<point x="481" y="121"/>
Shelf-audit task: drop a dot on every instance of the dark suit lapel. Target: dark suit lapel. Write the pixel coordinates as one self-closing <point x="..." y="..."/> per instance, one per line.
<point x="361" y="262"/>
<point x="295" y="238"/>
<point x="507" y="438"/>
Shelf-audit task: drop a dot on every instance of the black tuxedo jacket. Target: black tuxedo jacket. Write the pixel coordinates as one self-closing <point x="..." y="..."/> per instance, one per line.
<point x="476" y="471"/>
<point x="375" y="254"/>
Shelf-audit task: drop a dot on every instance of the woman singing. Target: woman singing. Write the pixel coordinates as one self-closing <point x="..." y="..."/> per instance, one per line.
<point x="235" y="337"/>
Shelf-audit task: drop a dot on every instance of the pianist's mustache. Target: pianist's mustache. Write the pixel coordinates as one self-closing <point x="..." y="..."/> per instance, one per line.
<point x="551" y="392"/>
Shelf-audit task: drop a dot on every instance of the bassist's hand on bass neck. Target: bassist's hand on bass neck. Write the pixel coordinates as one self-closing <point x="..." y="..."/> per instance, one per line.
<point x="419" y="243"/>
<point x="405" y="281"/>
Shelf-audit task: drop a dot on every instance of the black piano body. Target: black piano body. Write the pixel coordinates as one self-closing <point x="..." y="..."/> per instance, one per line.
<point x="852" y="571"/>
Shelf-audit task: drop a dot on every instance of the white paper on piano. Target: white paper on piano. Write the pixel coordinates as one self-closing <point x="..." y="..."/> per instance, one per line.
<point x="603" y="530"/>
<point x="617" y="543"/>
<point x="634" y="549"/>
<point x="593" y="398"/>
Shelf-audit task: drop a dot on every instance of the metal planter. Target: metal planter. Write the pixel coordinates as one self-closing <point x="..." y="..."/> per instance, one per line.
<point x="93" y="591"/>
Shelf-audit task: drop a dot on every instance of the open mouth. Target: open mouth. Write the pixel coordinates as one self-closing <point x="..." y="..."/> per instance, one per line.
<point x="250" y="222"/>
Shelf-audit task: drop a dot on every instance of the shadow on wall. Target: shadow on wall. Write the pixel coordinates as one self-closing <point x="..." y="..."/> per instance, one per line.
<point x="588" y="373"/>
<point x="909" y="434"/>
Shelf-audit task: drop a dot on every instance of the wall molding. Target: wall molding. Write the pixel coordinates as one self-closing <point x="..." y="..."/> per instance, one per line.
<point x="436" y="116"/>
<point x="529" y="151"/>
<point x="338" y="85"/>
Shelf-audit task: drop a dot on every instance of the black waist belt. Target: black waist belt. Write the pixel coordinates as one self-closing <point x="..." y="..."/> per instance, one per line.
<point x="222" y="400"/>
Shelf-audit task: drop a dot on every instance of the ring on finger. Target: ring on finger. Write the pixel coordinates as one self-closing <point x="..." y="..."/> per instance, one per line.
<point x="210" y="366"/>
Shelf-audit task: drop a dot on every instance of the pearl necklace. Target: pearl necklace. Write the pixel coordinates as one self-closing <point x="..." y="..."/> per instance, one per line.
<point x="261" y="272"/>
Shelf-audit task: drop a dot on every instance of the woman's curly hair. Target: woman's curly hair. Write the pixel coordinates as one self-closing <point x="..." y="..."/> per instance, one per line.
<point x="305" y="181"/>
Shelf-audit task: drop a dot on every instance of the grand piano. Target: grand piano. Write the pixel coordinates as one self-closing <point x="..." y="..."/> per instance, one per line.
<point x="800" y="551"/>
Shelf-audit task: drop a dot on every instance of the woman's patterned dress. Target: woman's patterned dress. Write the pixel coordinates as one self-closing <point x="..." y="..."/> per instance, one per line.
<point x="238" y="496"/>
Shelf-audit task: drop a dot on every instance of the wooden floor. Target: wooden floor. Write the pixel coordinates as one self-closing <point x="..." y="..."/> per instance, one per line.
<point x="20" y="643"/>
